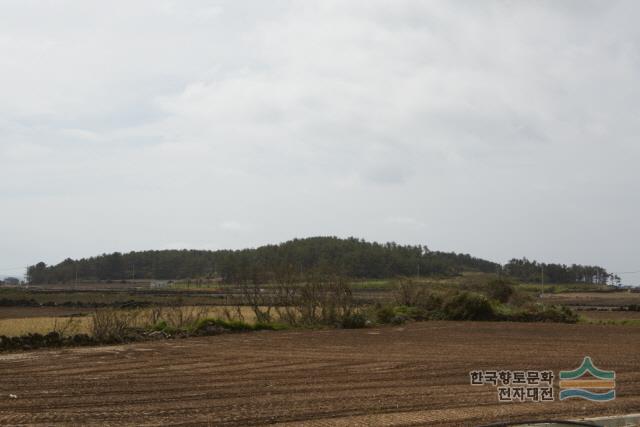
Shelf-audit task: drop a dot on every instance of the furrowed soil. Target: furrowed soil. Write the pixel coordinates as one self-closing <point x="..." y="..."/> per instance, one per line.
<point x="393" y="376"/>
<point x="594" y="299"/>
<point x="26" y="312"/>
<point x="611" y="315"/>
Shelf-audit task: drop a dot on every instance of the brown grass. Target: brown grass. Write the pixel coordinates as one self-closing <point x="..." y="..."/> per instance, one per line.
<point x="175" y="316"/>
<point x="43" y="325"/>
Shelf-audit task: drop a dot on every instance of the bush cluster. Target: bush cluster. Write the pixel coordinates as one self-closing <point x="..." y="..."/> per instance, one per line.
<point x="467" y="305"/>
<point x="500" y="290"/>
<point x="213" y="326"/>
<point x="537" y="313"/>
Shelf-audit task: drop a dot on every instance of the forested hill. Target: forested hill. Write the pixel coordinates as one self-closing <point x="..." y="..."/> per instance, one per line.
<point x="351" y="257"/>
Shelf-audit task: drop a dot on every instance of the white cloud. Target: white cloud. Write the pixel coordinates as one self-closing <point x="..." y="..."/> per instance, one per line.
<point x="500" y="125"/>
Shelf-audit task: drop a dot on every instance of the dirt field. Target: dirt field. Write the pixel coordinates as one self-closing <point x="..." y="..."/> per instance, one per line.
<point x="26" y="312"/>
<point x="139" y="284"/>
<point x="614" y="315"/>
<point x="601" y="299"/>
<point x="413" y="375"/>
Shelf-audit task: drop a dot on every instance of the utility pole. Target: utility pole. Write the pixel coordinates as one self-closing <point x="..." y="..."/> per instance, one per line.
<point x="542" y="282"/>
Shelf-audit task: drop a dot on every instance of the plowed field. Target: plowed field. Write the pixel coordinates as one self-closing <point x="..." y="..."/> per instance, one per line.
<point x="413" y="375"/>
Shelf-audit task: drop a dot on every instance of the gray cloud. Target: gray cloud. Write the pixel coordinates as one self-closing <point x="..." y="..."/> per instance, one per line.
<point x="505" y="128"/>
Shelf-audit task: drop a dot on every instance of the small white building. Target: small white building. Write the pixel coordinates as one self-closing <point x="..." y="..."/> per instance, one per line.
<point x="159" y="284"/>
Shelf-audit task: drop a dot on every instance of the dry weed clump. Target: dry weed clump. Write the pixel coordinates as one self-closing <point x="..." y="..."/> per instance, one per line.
<point x="319" y="300"/>
<point x="110" y="325"/>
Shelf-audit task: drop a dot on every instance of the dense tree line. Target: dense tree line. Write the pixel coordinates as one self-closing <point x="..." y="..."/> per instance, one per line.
<point x="349" y="257"/>
<point x="532" y="271"/>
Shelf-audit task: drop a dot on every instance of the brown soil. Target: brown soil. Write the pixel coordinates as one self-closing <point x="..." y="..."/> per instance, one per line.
<point x="603" y="299"/>
<point x="413" y="375"/>
<point x="26" y="312"/>
<point x="610" y="314"/>
<point x="142" y="284"/>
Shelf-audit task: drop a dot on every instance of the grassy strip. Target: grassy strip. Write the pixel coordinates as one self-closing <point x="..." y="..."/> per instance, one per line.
<point x="203" y="327"/>
<point x="626" y="322"/>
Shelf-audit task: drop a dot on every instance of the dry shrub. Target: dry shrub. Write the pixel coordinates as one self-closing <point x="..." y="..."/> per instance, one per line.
<point x="286" y="295"/>
<point x="155" y="315"/>
<point x="183" y="317"/>
<point x="66" y="326"/>
<point x="234" y="315"/>
<point x="409" y="293"/>
<point x="322" y="300"/>
<point x="110" y="325"/>
<point x="260" y="301"/>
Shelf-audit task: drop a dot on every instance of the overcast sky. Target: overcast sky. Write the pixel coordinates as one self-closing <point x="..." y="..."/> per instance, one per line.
<point x="502" y="129"/>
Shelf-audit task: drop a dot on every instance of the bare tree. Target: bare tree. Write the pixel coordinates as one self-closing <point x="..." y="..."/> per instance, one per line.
<point x="259" y="300"/>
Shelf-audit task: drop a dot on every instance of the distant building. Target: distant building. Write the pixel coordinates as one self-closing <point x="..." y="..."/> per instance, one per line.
<point x="159" y="284"/>
<point x="11" y="281"/>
